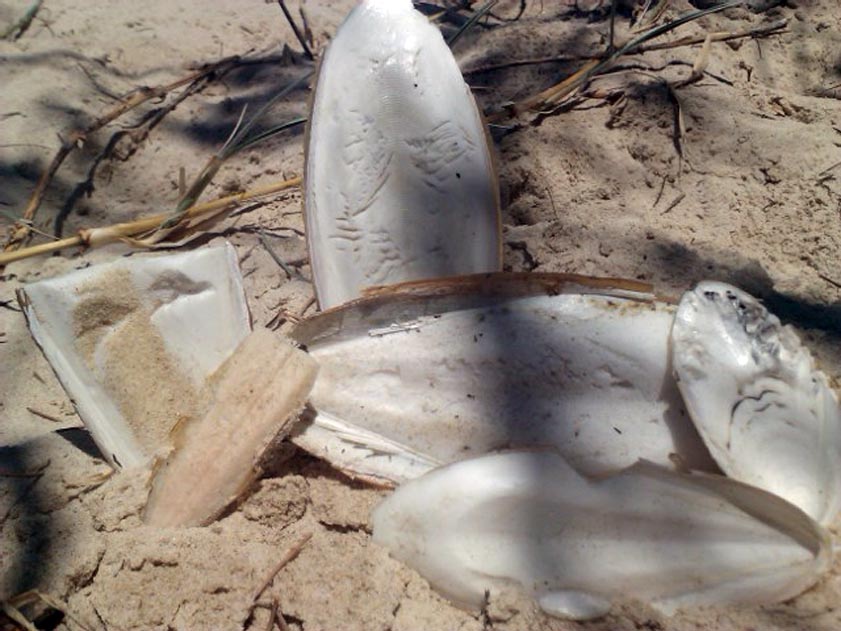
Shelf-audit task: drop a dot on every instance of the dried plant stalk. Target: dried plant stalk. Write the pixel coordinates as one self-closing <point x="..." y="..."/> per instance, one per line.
<point x="94" y="237"/>
<point x="20" y="232"/>
<point x="259" y="392"/>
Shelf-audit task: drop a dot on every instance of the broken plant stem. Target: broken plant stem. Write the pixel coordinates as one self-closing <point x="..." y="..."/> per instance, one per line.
<point x="551" y="96"/>
<point x="76" y="139"/>
<point x="296" y="30"/>
<point x="118" y="232"/>
<point x="290" y="555"/>
<point x="723" y="36"/>
<point x="20" y="27"/>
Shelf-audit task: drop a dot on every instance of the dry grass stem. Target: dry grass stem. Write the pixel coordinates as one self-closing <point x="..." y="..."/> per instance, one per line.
<point x="290" y="555"/>
<point x="296" y="30"/>
<point x="95" y="237"/>
<point x="76" y="139"/>
<point x="44" y="415"/>
<point x="20" y="27"/>
<point x="550" y="97"/>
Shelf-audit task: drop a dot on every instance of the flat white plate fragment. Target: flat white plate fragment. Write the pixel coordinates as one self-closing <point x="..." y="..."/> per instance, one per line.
<point x="527" y="519"/>
<point x="133" y="341"/>
<point x="437" y="372"/>
<point x="767" y="415"/>
<point x="399" y="178"/>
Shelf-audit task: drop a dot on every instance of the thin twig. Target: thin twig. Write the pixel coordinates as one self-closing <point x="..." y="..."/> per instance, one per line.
<point x="660" y="192"/>
<point x="765" y="30"/>
<point x="478" y="15"/>
<point x="137" y="136"/>
<point x="674" y="203"/>
<point x="762" y="30"/>
<point x="272" y="614"/>
<point x="828" y="170"/>
<point x="275" y="257"/>
<point x="78" y="137"/>
<point x="295" y="30"/>
<point x="290" y="555"/>
<point x="554" y="94"/>
<point x="610" y="42"/>
<point x="278" y="614"/>
<point x="44" y="415"/>
<point x="830" y="280"/>
<point x="20" y="27"/>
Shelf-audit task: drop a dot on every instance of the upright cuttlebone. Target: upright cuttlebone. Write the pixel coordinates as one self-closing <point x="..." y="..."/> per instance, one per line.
<point x="137" y="335"/>
<point x="432" y="372"/>
<point x="767" y="415"/>
<point x="530" y="520"/>
<point x="399" y="177"/>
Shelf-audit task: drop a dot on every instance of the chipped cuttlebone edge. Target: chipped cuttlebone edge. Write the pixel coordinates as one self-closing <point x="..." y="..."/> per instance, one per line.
<point x="471" y="104"/>
<point x="383" y="307"/>
<point x="732" y="356"/>
<point x="258" y="393"/>
<point x="359" y="453"/>
<point x="417" y="521"/>
<point x="48" y="306"/>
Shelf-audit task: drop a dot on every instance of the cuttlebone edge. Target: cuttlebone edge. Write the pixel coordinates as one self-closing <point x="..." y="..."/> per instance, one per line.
<point x="357" y="452"/>
<point x="385" y="306"/>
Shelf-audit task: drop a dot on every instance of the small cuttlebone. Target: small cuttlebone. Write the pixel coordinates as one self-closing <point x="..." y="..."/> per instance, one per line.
<point x="399" y="181"/>
<point x="431" y="372"/>
<point x="529" y="520"/>
<point x="767" y="415"/>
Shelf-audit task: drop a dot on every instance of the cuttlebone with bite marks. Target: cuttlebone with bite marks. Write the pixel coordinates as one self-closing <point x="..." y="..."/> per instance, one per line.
<point x="431" y="372"/>
<point x="399" y="180"/>
<point x="768" y="416"/>
<point x="529" y="520"/>
<point x="194" y="301"/>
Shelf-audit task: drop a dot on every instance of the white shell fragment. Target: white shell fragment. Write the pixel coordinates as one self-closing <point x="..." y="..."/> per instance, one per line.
<point x="399" y="178"/>
<point x="433" y="372"/>
<point x="134" y="341"/>
<point x="257" y="394"/>
<point x="576" y="545"/>
<point x="767" y="415"/>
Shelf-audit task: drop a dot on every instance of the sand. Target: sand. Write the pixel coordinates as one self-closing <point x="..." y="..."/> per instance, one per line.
<point x="127" y="355"/>
<point x="732" y="177"/>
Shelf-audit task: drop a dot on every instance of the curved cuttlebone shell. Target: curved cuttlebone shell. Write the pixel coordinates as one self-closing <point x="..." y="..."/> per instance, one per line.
<point x="432" y="372"/>
<point x="93" y="324"/>
<point x="529" y="519"/>
<point x="767" y="415"/>
<point x="399" y="177"/>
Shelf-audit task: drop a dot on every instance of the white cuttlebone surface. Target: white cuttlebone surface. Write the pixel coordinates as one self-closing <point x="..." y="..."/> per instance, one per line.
<point x="399" y="181"/>
<point x="766" y="413"/>
<point x="407" y="383"/>
<point x="198" y="307"/>
<point x="577" y="545"/>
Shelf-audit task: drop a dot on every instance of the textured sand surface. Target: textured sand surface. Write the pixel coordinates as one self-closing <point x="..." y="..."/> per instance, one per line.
<point x="607" y="186"/>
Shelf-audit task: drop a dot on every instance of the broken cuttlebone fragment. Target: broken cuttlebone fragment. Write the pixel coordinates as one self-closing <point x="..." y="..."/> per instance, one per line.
<point x="528" y="519"/>
<point x="399" y="181"/>
<point x="767" y="415"/>
<point x="431" y="372"/>
<point x="134" y="341"/>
